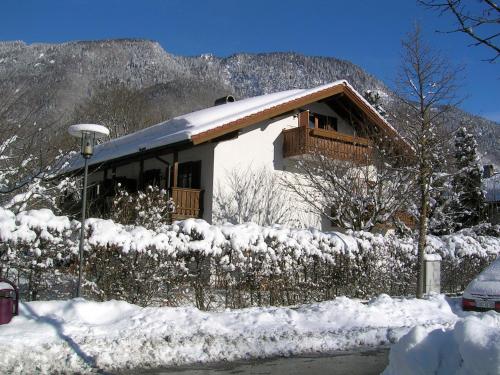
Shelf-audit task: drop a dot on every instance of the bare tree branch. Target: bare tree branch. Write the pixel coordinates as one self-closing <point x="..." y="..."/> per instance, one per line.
<point x="350" y="194"/>
<point x="252" y="195"/>
<point x="480" y="26"/>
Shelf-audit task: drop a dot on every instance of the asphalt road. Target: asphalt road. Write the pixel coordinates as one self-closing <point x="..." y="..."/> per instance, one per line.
<point x="368" y="362"/>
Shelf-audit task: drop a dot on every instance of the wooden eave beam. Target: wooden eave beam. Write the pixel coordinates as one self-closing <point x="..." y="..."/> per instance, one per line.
<point x="372" y="115"/>
<point x="337" y="104"/>
<point x="375" y="118"/>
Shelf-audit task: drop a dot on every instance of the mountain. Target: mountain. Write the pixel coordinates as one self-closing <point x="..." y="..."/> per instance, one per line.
<point x="59" y="77"/>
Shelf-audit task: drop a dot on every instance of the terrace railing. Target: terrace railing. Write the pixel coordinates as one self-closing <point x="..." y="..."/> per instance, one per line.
<point x="301" y="140"/>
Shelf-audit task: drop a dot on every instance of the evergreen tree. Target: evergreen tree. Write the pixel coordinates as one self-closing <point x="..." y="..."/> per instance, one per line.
<point x="373" y="97"/>
<point x="442" y="201"/>
<point x="469" y="199"/>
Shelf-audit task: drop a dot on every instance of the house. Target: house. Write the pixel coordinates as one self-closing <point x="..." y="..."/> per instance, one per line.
<point x="192" y="154"/>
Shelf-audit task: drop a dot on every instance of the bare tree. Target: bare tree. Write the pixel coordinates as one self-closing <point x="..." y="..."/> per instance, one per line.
<point x="352" y="194"/>
<point x="120" y="109"/>
<point x="28" y="150"/>
<point x="252" y="195"/>
<point x="479" y="20"/>
<point x="427" y="86"/>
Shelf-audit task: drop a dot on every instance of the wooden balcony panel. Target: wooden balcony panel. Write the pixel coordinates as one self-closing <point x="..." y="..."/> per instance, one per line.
<point x="330" y="134"/>
<point x="188" y="203"/>
<point x="301" y="140"/>
<point x="405" y="218"/>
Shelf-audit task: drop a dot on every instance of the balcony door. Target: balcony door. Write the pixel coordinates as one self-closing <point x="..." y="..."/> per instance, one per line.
<point x="317" y="121"/>
<point x="322" y="122"/>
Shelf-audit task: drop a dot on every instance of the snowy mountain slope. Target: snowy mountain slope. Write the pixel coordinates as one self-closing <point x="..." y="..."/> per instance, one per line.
<point x="65" y="74"/>
<point x="257" y="74"/>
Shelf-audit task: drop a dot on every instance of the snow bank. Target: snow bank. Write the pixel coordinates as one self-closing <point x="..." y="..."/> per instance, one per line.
<point x="471" y="346"/>
<point x="81" y="336"/>
<point x="198" y="236"/>
<point x="27" y="226"/>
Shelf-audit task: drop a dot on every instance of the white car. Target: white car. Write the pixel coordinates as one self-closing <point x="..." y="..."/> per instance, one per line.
<point x="483" y="293"/>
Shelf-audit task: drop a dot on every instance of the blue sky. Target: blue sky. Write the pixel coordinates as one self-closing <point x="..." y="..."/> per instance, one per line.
<point x="365" y="32"/>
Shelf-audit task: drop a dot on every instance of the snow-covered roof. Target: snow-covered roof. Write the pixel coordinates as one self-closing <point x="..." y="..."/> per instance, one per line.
<point x="492" y="187"/>
<point x="185" y="127"/>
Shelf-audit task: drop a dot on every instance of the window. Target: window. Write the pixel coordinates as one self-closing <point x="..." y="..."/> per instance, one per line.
<point x="327" y="122"/>
<point x="322" y="122"/>
<point x="312" y="120"/>
<point x="189" y="175"/>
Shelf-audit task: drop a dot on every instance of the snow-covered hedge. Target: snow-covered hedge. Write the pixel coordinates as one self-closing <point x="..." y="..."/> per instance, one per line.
<point x="222" y="265"/>
<point x="465" y="253"/>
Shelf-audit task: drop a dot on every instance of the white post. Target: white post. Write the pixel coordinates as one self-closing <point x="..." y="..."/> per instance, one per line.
<point x="432" y="273"/>
<point x="82" y="229"/>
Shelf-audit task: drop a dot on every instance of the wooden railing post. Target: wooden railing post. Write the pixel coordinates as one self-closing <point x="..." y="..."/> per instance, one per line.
<point x="175" y="179"/>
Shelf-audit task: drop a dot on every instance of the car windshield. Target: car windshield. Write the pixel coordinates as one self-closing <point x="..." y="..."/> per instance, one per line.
<point x="492" y="273"/>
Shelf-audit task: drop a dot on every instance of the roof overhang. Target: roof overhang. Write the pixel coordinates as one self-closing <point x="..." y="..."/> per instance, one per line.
<point x="342" y="87"/>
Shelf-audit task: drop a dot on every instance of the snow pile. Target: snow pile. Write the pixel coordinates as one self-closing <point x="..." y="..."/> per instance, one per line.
<point x="80" y="336"/>
<point x="28" y="226"/>
<point x="470" y="347"/>
<point x="195" y="235"/>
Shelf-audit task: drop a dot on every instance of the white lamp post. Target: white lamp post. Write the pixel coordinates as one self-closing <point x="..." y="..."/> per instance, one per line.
<point x="88" y="133"/>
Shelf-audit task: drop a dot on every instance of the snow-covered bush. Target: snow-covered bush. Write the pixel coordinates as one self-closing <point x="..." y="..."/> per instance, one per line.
<point x="36" y="248"/>
<point x="149" y="208"/>
<point x="228" y="265"/>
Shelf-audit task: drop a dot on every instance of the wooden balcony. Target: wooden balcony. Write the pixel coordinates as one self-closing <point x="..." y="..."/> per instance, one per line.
<point x="188" y="203"/>
<point x="302" y="140"/>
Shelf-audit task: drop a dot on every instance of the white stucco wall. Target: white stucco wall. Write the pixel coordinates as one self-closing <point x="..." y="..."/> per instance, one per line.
<point x="261" y="146"/>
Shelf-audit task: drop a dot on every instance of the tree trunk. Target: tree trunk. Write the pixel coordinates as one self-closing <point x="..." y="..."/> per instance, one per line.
<point x="422" y="238"/>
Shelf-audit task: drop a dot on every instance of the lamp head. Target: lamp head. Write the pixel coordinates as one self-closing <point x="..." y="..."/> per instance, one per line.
<point x="88" y="133"/>
<point x="88" y="141"/>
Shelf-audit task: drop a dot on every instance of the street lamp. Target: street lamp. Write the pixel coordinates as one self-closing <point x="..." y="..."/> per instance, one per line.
<point x="88" y="133"/>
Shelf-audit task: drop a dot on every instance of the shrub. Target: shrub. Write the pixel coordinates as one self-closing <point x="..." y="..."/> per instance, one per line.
<point x="214" y="266"/>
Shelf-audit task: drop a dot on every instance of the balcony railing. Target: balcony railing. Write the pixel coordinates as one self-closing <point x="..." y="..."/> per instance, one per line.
<point x="188" y="203"/>
<point x="302" y="140"/>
